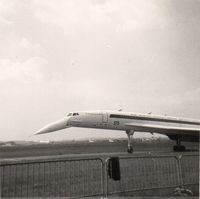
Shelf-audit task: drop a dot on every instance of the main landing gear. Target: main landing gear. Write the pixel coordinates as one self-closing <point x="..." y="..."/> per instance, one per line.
<point x="130" y="146"/>
<point x="178" y="146"/>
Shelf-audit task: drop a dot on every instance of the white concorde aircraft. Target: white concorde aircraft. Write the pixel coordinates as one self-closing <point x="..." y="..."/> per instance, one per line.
<point x="175" y="128"/>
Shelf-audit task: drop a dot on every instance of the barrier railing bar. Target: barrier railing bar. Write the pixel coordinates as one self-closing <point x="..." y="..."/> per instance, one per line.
<point x="106" y="177"/>
<point x="2" y="180"/>
<point x="45" y="159"/>
<point x="8" y="170"/>
<point x="144" y="189"/>
<point x="178" y="158"/>
<point x="15" y="181"/>
<point x="103" y="177"/>
<point x="27" y="179"/>
<point x="17" y="162"/>
<point x="33" y="180"/>
<point x="65" y="179"/>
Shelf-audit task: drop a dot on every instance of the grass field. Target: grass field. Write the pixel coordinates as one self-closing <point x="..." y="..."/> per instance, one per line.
<point x="83" y="147"/>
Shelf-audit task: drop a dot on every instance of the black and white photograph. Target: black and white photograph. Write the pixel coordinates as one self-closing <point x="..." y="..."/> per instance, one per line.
<point x="99" y="99"/>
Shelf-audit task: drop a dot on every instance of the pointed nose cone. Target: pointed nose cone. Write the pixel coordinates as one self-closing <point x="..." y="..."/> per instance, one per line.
<point x="55" y="126"/>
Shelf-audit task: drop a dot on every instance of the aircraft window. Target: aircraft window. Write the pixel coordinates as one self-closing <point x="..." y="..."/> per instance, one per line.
<point x="70" y="114"/>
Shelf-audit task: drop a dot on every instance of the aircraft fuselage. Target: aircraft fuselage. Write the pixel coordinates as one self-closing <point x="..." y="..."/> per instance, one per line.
<point x="119" y="121"/>
<point x="175" y="128"/>
<point x="125" y="121"/>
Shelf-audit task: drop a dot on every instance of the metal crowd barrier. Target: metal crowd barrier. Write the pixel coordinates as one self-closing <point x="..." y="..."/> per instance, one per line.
<point x="190" y="169"/>
<point x="141" y="173"/>
<point x="84" y="177"/>
<point x="153" y="172"/>
<point x="52" y="178"/>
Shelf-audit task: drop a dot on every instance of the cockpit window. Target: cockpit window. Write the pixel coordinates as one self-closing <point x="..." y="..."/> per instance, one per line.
<point x="74" y="114"/>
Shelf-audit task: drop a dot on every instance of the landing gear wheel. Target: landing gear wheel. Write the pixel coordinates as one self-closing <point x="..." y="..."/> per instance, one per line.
<point x="130" y="135"/>
<point x="179" y="148"/>
<point x="130" y="150"/>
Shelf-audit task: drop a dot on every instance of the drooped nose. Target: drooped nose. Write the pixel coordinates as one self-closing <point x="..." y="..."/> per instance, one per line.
<point x="55" y="126"/>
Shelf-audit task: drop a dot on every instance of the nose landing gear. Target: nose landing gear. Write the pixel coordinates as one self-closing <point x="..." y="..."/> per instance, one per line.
<point x="130" y="146"/>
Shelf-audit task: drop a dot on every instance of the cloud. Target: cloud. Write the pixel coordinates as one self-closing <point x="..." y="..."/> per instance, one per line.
<point x="29" y="70"/>
<point x="70" y="14"/>
<point x="6" y="9"/>
<point x="137" y="14"/>
<point x="26" y="49"/>
<point x="27" y="45"/>
<point x="21" y="60"/>
<point x="124" y="15"/>
<point x="17" y="49"/>
<point x="4" y="22"/>
<point x="182" y="104"/>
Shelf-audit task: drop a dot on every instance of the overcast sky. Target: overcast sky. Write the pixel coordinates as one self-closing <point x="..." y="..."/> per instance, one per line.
<point x="60" y="56"/>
